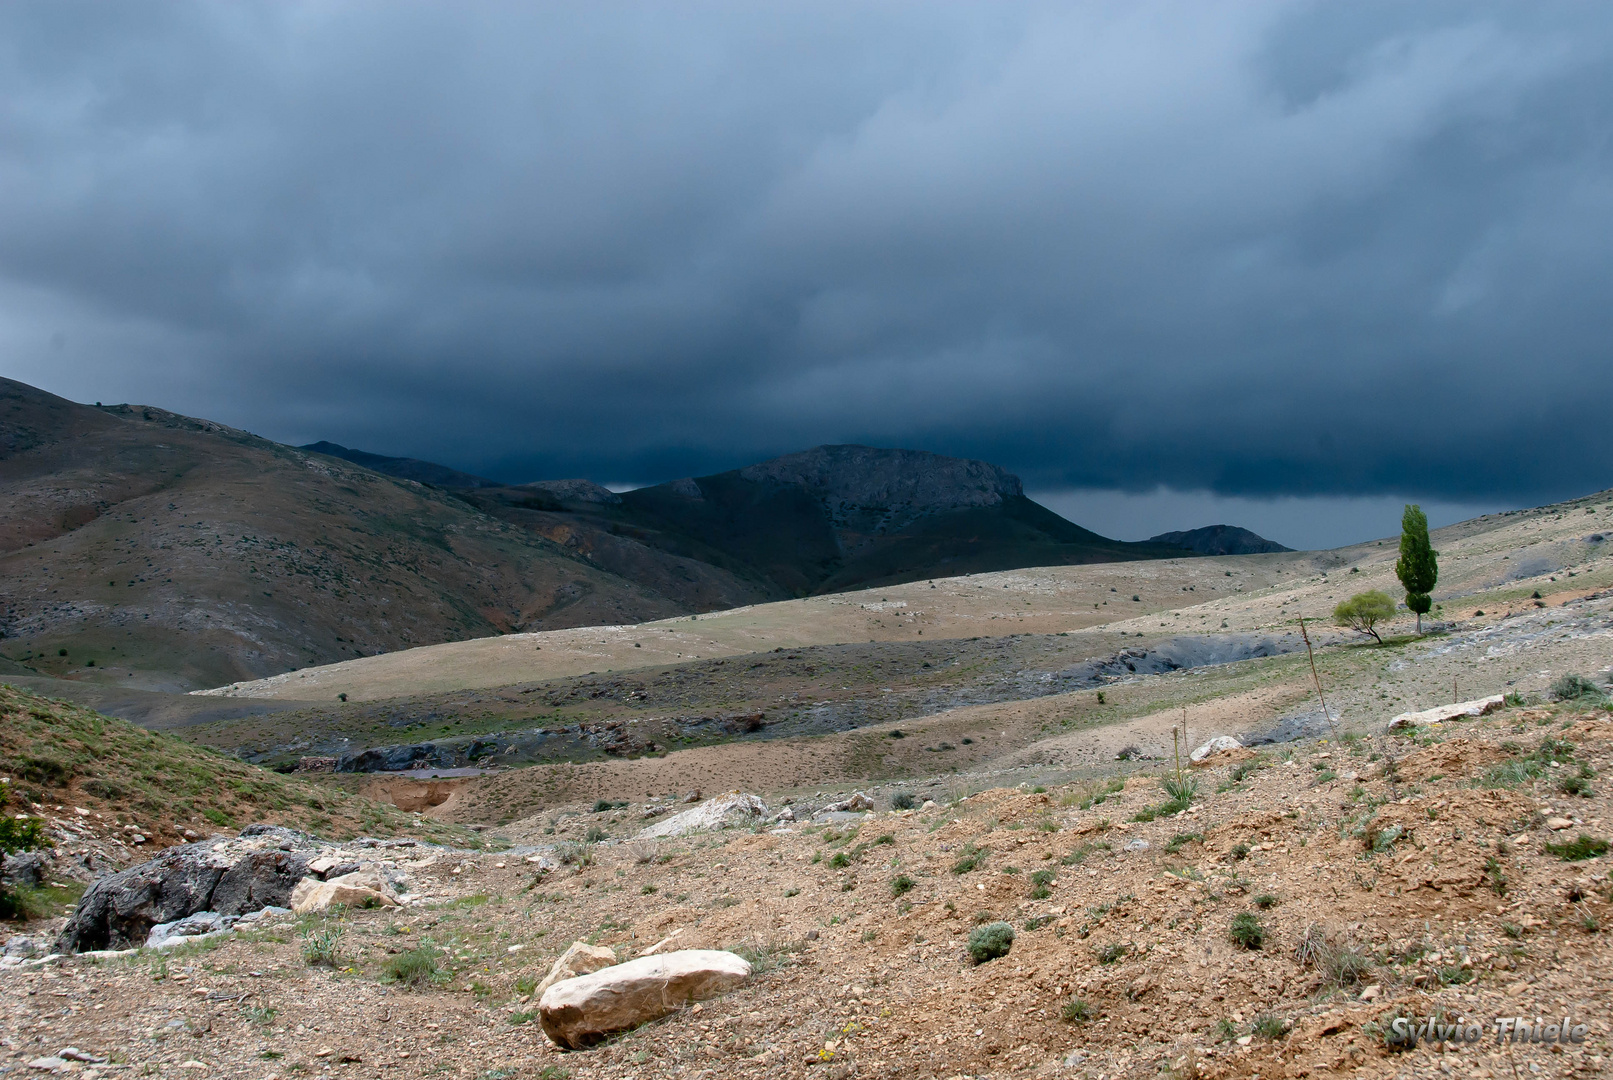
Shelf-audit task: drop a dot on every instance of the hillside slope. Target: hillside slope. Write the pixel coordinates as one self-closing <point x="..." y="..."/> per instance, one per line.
<point x="146" y="549"/>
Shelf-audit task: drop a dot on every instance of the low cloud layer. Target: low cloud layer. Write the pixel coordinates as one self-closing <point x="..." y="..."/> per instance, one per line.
<point x="1259" y="250"/>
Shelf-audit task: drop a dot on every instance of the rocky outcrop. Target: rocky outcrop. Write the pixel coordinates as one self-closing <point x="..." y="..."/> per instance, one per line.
<point x="228" y="877"/>
<point x="580" y="1012"/>
<point x="231" y="878"/>
<point x="723" y="812"/>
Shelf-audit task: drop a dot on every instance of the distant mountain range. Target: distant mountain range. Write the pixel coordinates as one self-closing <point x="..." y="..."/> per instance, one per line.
<point x="153" y="550"/>
<point x="1220" y="540"/>
<point x="822" y="520"/>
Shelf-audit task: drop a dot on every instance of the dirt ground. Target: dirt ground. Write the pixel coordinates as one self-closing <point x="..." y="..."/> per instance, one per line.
<point x="1417" y="870"/>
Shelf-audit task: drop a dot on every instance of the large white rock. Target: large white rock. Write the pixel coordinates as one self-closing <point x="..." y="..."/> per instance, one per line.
<point x="363" y="888"/>
<point x="580" y="1012"/>
<point x="725" y="811"/>
<point x="1441" y="713"/>
<point x="1215" y="746"/>
<point x="581" y="959"/>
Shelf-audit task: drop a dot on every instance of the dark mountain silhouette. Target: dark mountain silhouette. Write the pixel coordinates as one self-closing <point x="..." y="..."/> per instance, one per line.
<point x="822" y="520"/>
<point x="1220" y="540"/>
<point x="425" y="472"/>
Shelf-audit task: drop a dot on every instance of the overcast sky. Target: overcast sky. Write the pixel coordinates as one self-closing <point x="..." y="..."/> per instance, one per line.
<point x="1239" y="256"/>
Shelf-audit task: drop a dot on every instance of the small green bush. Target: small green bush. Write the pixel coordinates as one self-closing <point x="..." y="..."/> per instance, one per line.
<point x="1076" y="1011"/>
<point x="1584" y="846"/>
<point x="416" y="968"/>
<point x="903" y="800"/>
<point x="1246" y="931"/>
<point x="971" y="858"/>
<point x="990" y="941"/>
<point x="900" y="884"/>
<point x="1575" y="687"/>
<point x="321" y="948"/>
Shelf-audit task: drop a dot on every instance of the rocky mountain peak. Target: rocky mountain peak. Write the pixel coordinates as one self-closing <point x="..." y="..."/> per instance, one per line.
<point x="867" y="477"/>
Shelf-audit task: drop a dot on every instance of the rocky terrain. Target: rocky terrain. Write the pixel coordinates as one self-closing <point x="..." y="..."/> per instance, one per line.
<point x="1275" y="925"/>
<point x="949" y="828"/>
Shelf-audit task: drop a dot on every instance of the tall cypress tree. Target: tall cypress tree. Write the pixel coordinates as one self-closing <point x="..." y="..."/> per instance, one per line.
<point x="1417" y="568"/>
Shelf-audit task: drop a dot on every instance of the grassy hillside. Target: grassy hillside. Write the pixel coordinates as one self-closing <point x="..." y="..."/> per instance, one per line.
<point x="58" y="754"/>
<point x="149" y="550"/>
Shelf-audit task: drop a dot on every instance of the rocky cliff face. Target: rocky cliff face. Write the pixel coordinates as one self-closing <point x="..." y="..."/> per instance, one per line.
<point x="893" y="487"/>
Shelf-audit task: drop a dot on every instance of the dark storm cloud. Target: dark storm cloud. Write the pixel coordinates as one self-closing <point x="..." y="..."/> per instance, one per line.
<point x="1256" y="248"/>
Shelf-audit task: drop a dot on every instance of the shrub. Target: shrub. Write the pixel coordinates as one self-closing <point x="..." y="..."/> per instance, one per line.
<point x="1364" y="611"/>
<point x="1076" y="1011"/>
<point x="1269" y="1026"/>
<point x="1584" y="846"/>
<point x="415" y="968"/>
<point x="1265" y="901"/>
<point x="1574" y="687"/>
<point x="970" y="858"/>
<point x="321" y="947"/>
<point x="903" y="800"/>
<point x="1246" y="931"/>
<point x="900" y="884"/>
<point x="990" y="941"/>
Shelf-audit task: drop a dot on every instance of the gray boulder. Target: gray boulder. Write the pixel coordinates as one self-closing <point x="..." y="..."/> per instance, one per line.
<point x="24" y="868"/>
<point x="119" y="910"/>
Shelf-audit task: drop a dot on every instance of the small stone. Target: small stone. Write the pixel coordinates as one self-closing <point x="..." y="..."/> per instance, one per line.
<point x="1557" y="823"/>
<point x="49" y="1064"/>
<point x="1372" y="993"/>
<point x="1245" y="1040"/>
<point x="1138" y="844"/>
<point x="929" y="804"/>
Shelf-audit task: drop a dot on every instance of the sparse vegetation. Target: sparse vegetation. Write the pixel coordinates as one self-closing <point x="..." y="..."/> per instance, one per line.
<point x="1246" y="930"/>
<point x="991" y="941"/>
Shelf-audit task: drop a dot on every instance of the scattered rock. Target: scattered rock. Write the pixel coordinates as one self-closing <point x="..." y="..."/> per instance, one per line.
<point x="1438" y="715"/>
<point x="51" y="1064"/>
<point x="929" y="804"/>
<point x="580" y="1012"/>
<point x="1217" y="745"/>
<point x="73" y="1053"/>
<point x="725" y="811"/>
<point x="581" y="959"/>
<point x="1557" y="823"/>
<point x="363" y="889"/>
<point x="1138" y="844"/>
<point x="1372" y="993"/>
<point x="858" y="802"/>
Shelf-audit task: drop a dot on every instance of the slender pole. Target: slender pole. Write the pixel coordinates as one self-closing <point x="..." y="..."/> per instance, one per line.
<point x="1317" y="679"/>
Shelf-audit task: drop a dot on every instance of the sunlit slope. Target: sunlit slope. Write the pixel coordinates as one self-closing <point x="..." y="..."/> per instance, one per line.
<point x="1504" y="556"/>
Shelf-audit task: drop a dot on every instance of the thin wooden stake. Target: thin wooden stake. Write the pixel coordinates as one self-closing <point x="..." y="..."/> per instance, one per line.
<point x="1318" y="680"/>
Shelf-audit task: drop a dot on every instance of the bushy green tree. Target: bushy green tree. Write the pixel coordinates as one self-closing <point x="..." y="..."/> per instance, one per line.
<point x="1364" y="611"/>
<point x="1417" y="567"/>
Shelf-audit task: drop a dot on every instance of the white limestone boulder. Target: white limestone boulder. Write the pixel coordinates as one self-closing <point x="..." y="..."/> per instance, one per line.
<point x="580" y="1012"/>
<point x="1442" y="713"/>
<point x="725" y="811"/>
